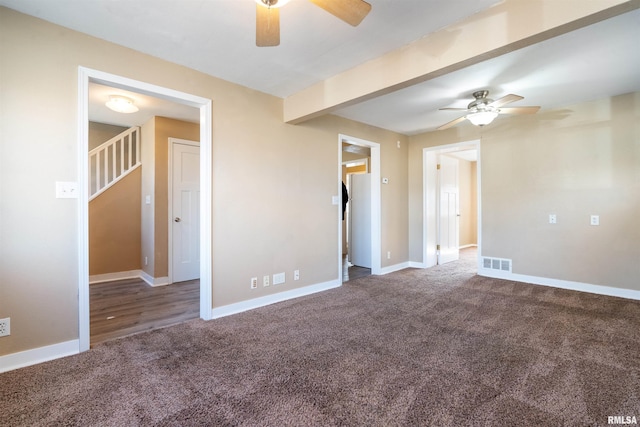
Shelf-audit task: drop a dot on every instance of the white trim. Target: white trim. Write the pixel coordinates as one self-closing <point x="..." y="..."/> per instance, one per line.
<point x="84" y="336"/>
<point x="205" y="105"/>
<point x="472" y="245"/>
<point x="562" y="284"/>
<point x="239" y="307"/>
<point x="131" y="274"/>
<point x="206" y="198"/>
<point x="393" y="268"/>
<point x="155" y="281"/>
<point x="112" y="277"/>
<point x="414" y="264"/>
<point x="34" y="356"/>
<point x="376" y="228"/>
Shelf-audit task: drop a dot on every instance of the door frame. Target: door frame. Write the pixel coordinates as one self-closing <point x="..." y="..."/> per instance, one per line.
<point x="86" y="75"/>
<point x="376" y="232"/>
<point x="429" y="184"/>
<point x="173" y="141"/>
<point x="345" y="229"/>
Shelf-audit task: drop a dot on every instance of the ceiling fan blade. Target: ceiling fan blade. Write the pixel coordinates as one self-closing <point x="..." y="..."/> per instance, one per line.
<point x="267" y="26"/>
<point x="519" y="110"/>
<point x="452" y="123"/>
<point x="453" y="109"/>
<point x="350" y="11"/>
<point x="505" y="100"/>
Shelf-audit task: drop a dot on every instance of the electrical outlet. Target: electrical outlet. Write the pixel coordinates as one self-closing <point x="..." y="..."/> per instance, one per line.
<point x="595" y="219"/>
<point x="388" y="254"/>
<point x="254" y="283"/>
<point x="296" y="275"/>
<point x="265" y="281"/>
<point x="5" y="327"/>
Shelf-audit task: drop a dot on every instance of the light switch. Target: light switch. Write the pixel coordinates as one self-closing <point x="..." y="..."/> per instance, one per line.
<point x="66" y="190"/>
<point x="553" y="219"/>
<point x="147" y="200"/>
<point x="595" y="219"/>
<point x="335" y="200"/>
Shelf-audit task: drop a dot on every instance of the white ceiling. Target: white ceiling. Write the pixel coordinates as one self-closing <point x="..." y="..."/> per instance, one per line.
<point x="217" y="37"/>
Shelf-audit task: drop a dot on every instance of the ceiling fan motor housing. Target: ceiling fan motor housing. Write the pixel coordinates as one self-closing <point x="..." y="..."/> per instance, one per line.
<point x="481" y="102"/>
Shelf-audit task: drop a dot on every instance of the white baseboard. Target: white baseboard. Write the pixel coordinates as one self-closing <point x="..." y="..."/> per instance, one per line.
<point x="227" y="310"/>
<point x="562" y="284"/>
<point x="112" y="277"/>
<point x="154" y="281"/>
<point x="131" y="274"/>
<point x="414" y="264"/>
<point x="393" y="268"/>
<point x="472" y="245"/>
<point x="38" y="355"/>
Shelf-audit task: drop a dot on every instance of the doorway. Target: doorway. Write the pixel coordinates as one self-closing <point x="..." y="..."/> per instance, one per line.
<point x="451" y="185"/>
<point x="85" y="76"/>
<point x="372" y="203"/>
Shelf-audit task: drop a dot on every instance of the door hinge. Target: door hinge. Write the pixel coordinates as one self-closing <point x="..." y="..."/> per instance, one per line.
<point x="437" y="247"/>
<point x="438" y="167"/>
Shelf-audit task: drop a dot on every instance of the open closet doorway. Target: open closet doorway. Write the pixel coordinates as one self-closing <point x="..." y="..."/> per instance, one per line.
<point x="149" y="258"/>
<point x="451" y="202"/>
<point x="359" y="218"/>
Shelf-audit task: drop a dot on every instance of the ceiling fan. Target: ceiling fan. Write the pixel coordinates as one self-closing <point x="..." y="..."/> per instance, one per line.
<point x="268" y="16"/>
<point x="483" y="110"/>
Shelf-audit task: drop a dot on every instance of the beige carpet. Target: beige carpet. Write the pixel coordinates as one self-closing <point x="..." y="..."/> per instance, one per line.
<point x="437" y="347"/>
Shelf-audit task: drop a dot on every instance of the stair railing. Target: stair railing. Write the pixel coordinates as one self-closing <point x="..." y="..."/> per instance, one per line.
<point x="113" y="160"/>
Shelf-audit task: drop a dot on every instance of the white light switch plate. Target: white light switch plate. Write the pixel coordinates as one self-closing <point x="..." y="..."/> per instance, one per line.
<point x="66" y="190"/>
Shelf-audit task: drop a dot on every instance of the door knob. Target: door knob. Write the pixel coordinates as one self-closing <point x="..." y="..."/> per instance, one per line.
<point x="177" y="219"/>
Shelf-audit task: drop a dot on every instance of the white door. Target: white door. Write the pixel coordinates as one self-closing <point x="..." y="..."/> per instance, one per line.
<point x="449" y="238"/>
<point x="186" y="212"/>
<point x="360" y="216"/>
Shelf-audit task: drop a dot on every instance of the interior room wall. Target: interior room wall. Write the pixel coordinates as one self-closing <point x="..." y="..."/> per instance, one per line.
<point x="100" y="133"/>
<point x="147" y="183"/>
<point x="468" y="216"/>
<point x="573" y="162"/>
<point x="272" y="182"/>
<point x="166" y="128"/>
<point x="114" y="227"/>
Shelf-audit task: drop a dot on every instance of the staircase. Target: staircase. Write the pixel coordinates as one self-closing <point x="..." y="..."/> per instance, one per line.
<point x="113" y="160"/>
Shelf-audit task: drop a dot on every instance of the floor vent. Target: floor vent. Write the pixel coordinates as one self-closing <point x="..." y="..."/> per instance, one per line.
<point x="496" y="264"/>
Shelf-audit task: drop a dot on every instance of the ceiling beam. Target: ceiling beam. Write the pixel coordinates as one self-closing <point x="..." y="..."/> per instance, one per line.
<point x="503" y="28"/>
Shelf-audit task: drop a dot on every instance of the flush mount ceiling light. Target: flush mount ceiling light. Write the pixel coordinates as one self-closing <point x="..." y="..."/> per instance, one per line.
<point x="121" y="104"/>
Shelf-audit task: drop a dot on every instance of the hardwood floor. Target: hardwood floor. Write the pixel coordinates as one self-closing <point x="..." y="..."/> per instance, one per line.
<point x="353" y="271"/>
<point x="126" y="307"/>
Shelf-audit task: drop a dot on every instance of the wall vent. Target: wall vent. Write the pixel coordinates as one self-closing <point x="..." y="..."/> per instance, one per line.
<point x="500" y="264"/>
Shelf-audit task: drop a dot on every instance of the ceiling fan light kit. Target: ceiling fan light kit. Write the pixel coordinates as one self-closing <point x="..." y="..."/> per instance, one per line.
<point x="483" y="110"/>
<point x="272" y="3"/>
<point x="482" y="118"/>
<point x="268" y="16"/>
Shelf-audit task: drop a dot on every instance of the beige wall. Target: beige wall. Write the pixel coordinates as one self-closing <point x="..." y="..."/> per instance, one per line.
<point x="100" y="133"/>
<point x="272" y="182"/>
<point x="166" y="128"/>
<point x="576" y="161"/>
<point x="468" y="195"/>
<point x="114" y="227"/>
